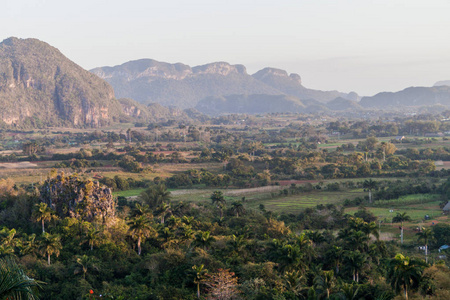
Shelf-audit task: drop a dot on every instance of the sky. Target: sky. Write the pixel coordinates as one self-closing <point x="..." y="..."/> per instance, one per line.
<point x="367" y="46"/>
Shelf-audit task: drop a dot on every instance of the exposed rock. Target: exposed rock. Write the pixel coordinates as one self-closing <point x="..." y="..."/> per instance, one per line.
<point x="70" y="196"/>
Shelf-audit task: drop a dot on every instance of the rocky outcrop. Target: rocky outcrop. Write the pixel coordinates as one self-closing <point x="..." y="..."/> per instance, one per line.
<point x="70" y="196"/>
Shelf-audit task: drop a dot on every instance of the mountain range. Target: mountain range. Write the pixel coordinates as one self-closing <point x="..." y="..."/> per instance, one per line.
<point x="149" y="81"/>
<point x="40" y="87"/>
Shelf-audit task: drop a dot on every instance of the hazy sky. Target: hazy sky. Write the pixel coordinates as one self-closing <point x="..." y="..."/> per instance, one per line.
<point x="363" y="45"/>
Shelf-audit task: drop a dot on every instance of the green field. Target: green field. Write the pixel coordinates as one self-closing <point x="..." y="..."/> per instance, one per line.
<point x="129" y="193"/>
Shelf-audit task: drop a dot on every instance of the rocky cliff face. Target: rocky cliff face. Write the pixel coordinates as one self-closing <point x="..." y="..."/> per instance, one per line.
<point x="39" y="86"/>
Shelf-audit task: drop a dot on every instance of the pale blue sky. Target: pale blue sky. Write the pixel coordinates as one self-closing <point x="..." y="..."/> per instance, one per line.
<point x="363" y="45"/>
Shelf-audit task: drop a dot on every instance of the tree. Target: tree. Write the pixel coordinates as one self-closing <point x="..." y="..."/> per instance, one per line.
<point x="222" y="285"/>
<point x="50" y="244"/>
<point x="163" y="211"/>
<point x="85" y="263"/>
<point x="203" y="240"/>
<point x="293" y="281"/>
<point x="140" y="227"/>
<point x="349" y="291"/>
<point x="218" y="199"/>
<point x="325" y="282"/>
<point x="355" y="261"/>
<point x="14" y="283"/>
<point x="155" y="195"/>
<point x="335" y="255"/>
<point x="91" y="237"/>
<point x="425" y="235"/>
<point x="199" y="276"/>
<point x="370" y="185"/>
<point x="405" y="273"/>
<point x="237" y="208"/>
<point x="43" y="213"/>
<point x="400" y="218"/>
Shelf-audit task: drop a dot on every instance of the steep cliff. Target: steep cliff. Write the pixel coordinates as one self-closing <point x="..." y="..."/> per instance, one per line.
<point x="39" y="86"/>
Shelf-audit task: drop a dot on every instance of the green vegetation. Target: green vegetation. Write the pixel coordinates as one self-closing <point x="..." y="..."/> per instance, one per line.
<point x="240" y="206"/>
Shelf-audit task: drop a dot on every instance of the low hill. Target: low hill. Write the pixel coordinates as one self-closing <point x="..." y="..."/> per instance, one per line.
<point x="250" y="104"/>
<point x="410" y="97"/>
<point x="444" y="82"/>
<point x="292" y="85"/>
<point x="343" y="104"/>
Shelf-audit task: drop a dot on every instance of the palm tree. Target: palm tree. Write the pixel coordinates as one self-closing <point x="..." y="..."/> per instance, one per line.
<point x="142" y="210"/>
<point x="155" y="195"/>
<point x="140" y="227"/>
<point x="357" y="240"/>
<point x="355" y="261"/>
<point x="203" y="240"/>
<point x="325" y="282"/>
<point x="14" y="283"/>
<point x="293" y="281"/>
<point x="199" y="276"/>
<point x="237" y="208"/>
<point x="405" y="273"/>
<point x="371" y="228"/>
<point x="335" y="255"/>
<point x="426" y="235"/>
<point x="400" y="218"/>
<point x="218" y="199"/>
<point x="43" y="213"/>
<point x="349" y="291"/>
<point x="92" y="237"/>
<point x="8" y="241"/>
<point x="29" y="244"/>
<point x="84" y="264"/>
<point x="50" y="244"/>
<point x="370" y="185"/>
<point x="163" y="211"/>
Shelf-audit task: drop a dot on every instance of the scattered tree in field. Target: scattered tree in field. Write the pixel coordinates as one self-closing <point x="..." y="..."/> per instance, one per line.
<point x="400" y="218"/>
<point x="218" y="199"/>
<point x="370" y="185"/>
<point x="237" y="208"/>
<point x="426" y="236"/>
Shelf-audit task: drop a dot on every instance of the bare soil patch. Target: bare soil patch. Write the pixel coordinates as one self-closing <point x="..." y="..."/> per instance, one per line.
<point x="18" y="165"/>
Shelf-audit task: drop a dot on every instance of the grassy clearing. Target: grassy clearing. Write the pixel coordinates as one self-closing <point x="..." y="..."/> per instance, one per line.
<point x="416" y="211"/>
<point x="408" y="200"/>
<point x="296" y="203"/>
<point x="129" y="193"/>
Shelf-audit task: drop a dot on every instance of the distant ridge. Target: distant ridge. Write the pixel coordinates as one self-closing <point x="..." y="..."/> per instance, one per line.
<point x="441" y="83"/>
<point x="148" y="81"/>
<point x="409" y="97"/>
